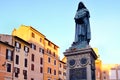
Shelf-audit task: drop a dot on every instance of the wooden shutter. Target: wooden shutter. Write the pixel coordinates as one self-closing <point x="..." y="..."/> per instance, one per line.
<point x="6" y="53"/>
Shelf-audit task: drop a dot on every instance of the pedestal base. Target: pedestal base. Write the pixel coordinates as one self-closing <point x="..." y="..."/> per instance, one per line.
<point x="80" y="64"/>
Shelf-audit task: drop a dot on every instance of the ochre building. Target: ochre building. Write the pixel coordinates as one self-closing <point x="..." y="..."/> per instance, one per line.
<point x="43" y="53"/>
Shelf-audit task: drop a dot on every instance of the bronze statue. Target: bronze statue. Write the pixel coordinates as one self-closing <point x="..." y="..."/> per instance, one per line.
<point x="82" y="28"/>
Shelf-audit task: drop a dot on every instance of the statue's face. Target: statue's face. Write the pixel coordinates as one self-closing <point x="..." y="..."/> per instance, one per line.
<point x="80" y="6"/>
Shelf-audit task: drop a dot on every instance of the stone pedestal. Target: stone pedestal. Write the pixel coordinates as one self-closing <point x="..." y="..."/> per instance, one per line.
<point x="80" y="64"/>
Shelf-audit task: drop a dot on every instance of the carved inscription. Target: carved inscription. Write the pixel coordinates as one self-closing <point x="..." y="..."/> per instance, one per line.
<point x="78" y="74"/>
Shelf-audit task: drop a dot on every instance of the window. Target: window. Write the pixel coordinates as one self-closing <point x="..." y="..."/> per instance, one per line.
<point x="25" y="74"/>
<point x="41" y="50"/>
<point x="104" y="77"/>
<point x="17" y="59"/>
<point x="33" y="35"/>
<point x="17" y="45"/>
<point x="60" y="65"/>
<point x="64" y="66"/>
<point x="32" y="57"/>
<point x="119" y="74"/>
<point x="113" y="75"/>
<point x="54" y="62"/>
<point x="49" y="44"/>
<point x="49" y="51"/>
<point x="16" y="70"/>
<point x="49" y="70"/>
<point x="33" y="46"/>
<point x="8" y="67"/>
<point x="41" y="61"/>
<point x="49" y="59"/>
<point x="26" y="49"/>
<point x="25" y="63"/>
<point x="41" y="69"/>
<point x="64" y="73"/>
<point x="59" y="72"/>
<point x="54" y="54"/>
<point x="32" y="78"/>
<point x="104" y="72"/>
<point x="16" y="74"/>
<point x="40" y="39"/>
<point x="32" y="67"/>
<point x="54" y="72"/>
<point x="55" y="47"/>
<point x="9" y="54"/>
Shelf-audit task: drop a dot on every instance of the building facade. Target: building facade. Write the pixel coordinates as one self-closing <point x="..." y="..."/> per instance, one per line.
<point x="6" y="61"/>
<point x="35" y="57"/>
<point x="51" y="61"/>
<point x="20" y="56"/>
<point x="43" y="53"/>
<point x="36" y="40"/>
<point x="21" y="59"/>
<point x="111" y="72"/>
<point x="62" y="70"/>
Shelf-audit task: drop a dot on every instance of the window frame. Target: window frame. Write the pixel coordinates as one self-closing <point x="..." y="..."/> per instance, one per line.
<point x="9" y="67"/>
<point x="49" y="59"/>
<point x="41" y="69"/>
<point x="17" y="45"/>
<point x="33" y="35"/>
<point x="55" y="72"/>
<point x="55" y="62"/>
<point x="9" y="54"/>
<point x="33" y="46"/>
<point x="25" y="74"/>
<point x="32" y="67"/>
<point x="17" y="59"/>
<point x="33" y="57"/>
<point x="41" y="60"/>
<point x="49" y="70"/>
<point x="25" y="62"/>
<point x="26" y="49"/>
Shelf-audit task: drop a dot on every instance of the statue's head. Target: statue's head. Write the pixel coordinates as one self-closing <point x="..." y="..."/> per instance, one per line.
<point x="80" y="6"/>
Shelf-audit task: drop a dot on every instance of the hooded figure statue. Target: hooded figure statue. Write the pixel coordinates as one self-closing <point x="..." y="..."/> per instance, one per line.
<point x="82" y="27"/>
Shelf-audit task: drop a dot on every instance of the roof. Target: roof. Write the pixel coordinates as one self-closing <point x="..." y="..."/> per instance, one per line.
<point x="5" y="43"/>
<point x="37" y="31"/>
<point x="21" y="40"/>
<point x="62" y="62"/>
<point x="51" y="42"/>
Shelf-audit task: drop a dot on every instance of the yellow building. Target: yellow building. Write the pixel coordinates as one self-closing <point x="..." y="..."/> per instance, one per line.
<point x="51" y="60"/>
<point x="36" y="40"/>
<point x="111" y="72"/>
<point x="98" y="65"/>
<point x="44" y="53"/>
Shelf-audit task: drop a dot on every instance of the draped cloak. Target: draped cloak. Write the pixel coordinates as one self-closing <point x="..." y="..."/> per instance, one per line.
<point x="82" y="25"/>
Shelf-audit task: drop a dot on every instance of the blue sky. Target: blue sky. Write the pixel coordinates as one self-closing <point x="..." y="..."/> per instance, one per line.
<point x="55" y="19"/>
